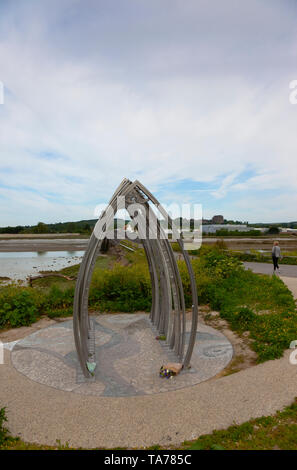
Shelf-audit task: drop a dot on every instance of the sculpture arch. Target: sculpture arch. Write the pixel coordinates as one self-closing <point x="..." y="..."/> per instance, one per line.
<point x="168" y="305"/>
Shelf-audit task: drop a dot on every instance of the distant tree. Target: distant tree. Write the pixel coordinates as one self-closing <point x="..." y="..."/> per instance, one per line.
<point x="87" y="228"/>
<point x="273" y="230"/>
<point x="40" y="228"/>
<point x="71" y="227"/>
<point x="17" y="229"/>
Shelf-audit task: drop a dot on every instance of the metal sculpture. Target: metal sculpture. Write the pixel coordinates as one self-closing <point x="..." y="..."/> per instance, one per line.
<point x="168" y="304"/>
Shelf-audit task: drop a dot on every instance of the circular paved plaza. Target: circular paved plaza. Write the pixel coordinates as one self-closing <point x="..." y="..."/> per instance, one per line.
<point x="128" y="357"/>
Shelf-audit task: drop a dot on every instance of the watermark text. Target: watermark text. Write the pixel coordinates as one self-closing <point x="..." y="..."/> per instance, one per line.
<point x="150" y="222"/>
<point x="293" y="94"/>
<point x="1" y="93"/>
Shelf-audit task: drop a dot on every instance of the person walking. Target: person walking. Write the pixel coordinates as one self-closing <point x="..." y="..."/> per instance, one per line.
<point x="276" y="253"/>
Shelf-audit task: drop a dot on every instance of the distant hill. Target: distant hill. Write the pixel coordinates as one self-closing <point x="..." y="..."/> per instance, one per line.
<point x="86" y="226"/>
<point x="278" y="224"/>
<point x="81" y="226"/>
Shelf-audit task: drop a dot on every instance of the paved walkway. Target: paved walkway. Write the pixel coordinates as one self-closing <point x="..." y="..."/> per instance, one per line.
<point x="286" y="270"/>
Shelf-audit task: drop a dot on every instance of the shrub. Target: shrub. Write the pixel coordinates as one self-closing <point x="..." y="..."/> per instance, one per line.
<point x="3" y="431"/>
<point x="59" y="302"/>
<point x="263" y="258"/>
<point x="123" y="288"/>
<point x="243" y="319"/>
<point x="19" y="309"/>
<point x="6" y="440"/>
<point x="273" y="230"/>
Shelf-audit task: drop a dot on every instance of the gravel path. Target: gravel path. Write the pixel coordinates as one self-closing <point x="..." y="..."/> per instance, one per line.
<point x="41" y="414"/>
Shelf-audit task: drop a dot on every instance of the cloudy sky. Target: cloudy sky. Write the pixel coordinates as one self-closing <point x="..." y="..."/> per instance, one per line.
<point x="191" y="97"/>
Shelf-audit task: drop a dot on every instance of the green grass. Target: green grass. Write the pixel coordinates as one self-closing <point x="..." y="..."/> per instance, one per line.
<point x="266" y="433"/>
<point x="6" y="440"/>
<point x="289" y="253"/>
<point x="102" y="262"/>
<point x="259" y="304"/>
<point x="263" y="258"/>
<point x="254" y="255"/>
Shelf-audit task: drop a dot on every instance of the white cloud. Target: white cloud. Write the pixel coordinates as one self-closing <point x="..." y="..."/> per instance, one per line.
<point x="117" y="102"/>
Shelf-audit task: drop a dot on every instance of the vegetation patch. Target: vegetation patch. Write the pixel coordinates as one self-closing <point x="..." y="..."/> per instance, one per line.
<point x="6" y="440"/>
<point x="289" y="259"/>
<point x="239" y="295"/>
<point x="277" y="432"/>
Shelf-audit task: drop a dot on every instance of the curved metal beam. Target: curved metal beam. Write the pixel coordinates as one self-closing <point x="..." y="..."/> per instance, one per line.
<point x="168" y="304"/>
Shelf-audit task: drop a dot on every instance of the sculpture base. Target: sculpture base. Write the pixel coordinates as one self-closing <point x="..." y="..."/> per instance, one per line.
<point x="128" y="357"/>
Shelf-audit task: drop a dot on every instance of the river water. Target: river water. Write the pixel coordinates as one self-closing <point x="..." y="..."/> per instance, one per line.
<point x="19" y="265"/>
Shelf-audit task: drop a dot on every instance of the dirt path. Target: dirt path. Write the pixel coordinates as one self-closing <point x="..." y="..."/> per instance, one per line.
<point x="14" y="334"/>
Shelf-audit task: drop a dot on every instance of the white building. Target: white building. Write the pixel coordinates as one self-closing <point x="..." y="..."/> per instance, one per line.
<point x="212" y="228"/>
<point x="288" y="230"/>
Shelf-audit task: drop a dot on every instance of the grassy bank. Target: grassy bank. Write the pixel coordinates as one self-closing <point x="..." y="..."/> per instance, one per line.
<point x="287" y="258"/>
<point x="261" y="258"/>
<point x="254" y="303"/>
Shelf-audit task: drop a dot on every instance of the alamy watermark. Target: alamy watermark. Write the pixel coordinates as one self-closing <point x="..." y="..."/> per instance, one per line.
<point x="175" y="221"/>
<point x="293" y="355"/>
<point x="1" y="93"/>
<point x="293" y="94"/>
<point x="1" y="353"/>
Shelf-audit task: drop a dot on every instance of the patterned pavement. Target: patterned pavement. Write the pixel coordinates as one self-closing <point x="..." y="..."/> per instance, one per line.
<point x="127" y="353"/>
